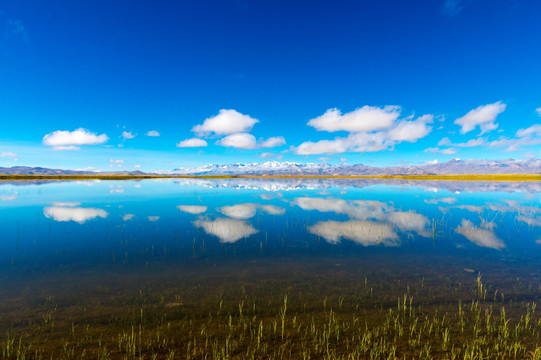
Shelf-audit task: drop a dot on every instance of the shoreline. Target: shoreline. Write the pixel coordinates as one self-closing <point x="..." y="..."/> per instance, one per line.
<point x="463" y="177"/>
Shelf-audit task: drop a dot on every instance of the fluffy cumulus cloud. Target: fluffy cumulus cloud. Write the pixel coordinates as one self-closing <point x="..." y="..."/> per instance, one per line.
<point x="191" y="143"/>
<point x="76" y="214"/>
<point x="483" y="117"/>
<point x="411" y="131"/>
<point x="226" y="122"/>
<point x="239" y="141"/>
<point x="233" y="130"/>
<point x="152" y="133"/>
<point x="127" y="135"/>
<point x="370" y="129"/>
<point x="367" y="118"/>
<point x="71" y="140"/>
<point x="227" y="230"/>
<point x="273" y="142"/>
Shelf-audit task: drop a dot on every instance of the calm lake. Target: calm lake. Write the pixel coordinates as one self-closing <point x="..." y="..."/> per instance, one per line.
<point x="283" y="268"/>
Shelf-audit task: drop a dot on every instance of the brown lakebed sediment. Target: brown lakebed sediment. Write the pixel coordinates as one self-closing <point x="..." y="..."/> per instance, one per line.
<point x="263" y="308"/>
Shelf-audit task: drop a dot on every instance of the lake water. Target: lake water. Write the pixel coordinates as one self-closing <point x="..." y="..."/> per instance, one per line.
<point x="283" y="268"/>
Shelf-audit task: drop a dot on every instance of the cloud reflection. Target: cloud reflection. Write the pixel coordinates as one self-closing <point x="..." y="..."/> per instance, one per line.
<point x="227" y="230"/>
<point x="239" y="211"/>
<point x="484" y="237"/>
<point x="77" y="214"/>
<point x="192" y="209"/>
<point x="366" y="233"/>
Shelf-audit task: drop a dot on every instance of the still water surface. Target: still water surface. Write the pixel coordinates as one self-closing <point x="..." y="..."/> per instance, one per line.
<point x="104" y="254"/>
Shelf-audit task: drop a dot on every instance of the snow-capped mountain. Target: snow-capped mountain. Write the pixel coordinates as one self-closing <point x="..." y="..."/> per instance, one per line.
<point x="455" y="166"/>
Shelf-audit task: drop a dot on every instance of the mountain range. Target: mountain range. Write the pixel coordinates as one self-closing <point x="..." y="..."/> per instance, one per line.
<point x="452" y="167"/>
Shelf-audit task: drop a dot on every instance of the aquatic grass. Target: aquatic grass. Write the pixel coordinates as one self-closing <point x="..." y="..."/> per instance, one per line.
<point x="256" y="326"/>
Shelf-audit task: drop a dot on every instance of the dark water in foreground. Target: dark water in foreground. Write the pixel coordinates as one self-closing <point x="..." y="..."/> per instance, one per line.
<point x="246" y="268"/>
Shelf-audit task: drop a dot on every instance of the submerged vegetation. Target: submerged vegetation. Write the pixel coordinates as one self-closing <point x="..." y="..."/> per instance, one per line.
<point x="368" y="320"/>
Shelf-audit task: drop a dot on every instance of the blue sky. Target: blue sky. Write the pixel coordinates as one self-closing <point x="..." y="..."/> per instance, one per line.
<point x="374" y="82"/>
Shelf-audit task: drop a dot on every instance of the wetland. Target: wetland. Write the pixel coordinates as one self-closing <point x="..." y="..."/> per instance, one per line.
<point x="270" y="268"/>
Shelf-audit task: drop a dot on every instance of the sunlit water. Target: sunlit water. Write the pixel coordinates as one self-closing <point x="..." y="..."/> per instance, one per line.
<point x="99" y="249"/>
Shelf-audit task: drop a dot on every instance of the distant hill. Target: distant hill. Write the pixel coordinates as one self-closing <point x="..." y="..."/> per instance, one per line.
<point x="452" y="167"/>
<point x="26" y="170"/>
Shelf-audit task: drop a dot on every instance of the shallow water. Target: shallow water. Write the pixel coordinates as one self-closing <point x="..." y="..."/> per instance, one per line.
<point x="105" y="256"/>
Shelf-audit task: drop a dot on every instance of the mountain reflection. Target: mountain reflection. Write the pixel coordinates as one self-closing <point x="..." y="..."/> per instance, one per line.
<point x="284" y="184"/>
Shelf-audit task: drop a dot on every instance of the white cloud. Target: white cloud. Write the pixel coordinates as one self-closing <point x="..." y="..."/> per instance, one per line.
<point x="273" y="142"/>
<point x="266" y="155"/>
<point x="239" y="211"/>
<point x="532" y="130"/>
<point x="366" y="233"/>
<point x="152" y="133"/>
<point x="226" y="122"/>
<point x="239" y="141"/>
<point x="128" y="135"/>
<point x="432" y="162"/>
<point x="190" y="143"/>
<point x="411" y="131"/>
<point x="444" y="142"/>
<point x="116" y="162"/>
<point x="525" y="137"/>
<point x="367" y="118"/>
<point x="8" y="154"/>
<point x="371" y="129"/>
<point x="484" y="116"/>
<point x="484" y="237"/>
<point x="137" y="166"/>
<point x="69" y="140"/>
<point x="538" y="110"/>
<point x="227" y="230"/>
<point x="448" y="151"/>
<point x="153" y="218"/>
<point x="338" y="145"/>
<point x="192" y="209"/>
<point x="77" y="214"/>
